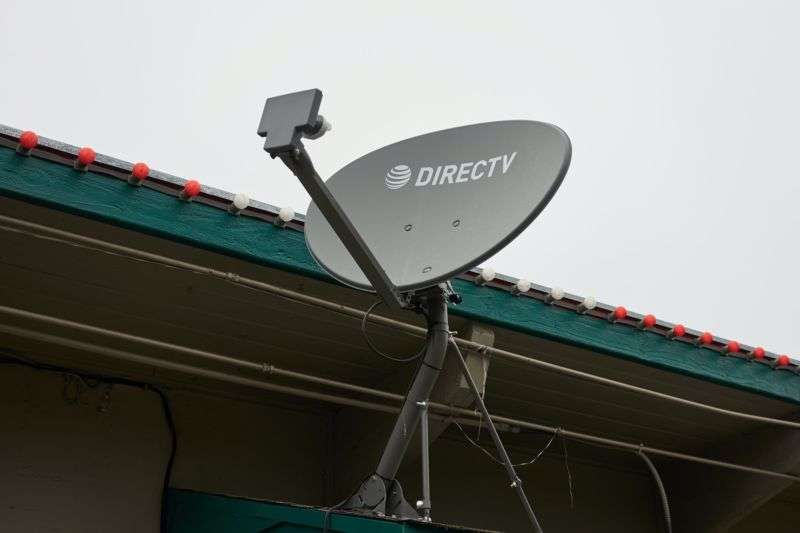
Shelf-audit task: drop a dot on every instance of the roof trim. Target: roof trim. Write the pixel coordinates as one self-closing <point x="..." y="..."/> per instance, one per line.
<point x="208" y="225"/>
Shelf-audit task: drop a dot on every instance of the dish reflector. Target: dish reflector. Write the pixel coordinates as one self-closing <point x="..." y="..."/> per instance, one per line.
<point x="434" y="206"/>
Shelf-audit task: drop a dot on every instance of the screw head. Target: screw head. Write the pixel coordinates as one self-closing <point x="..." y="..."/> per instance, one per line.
<point x="426" y="270"/>
<point x="456" y="223"/>
<point x="408" y="227"/>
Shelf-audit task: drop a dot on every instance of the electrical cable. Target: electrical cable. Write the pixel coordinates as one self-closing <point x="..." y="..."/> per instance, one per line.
<point x="375" y="348"/>
<point x="491" y="456"/>
<point x="73" y="239"/>
<point x="81" y="241"/>
<point x="559" y="431"/>
<point x="444" y="411"/>
<point x="14" y="359"/>
<point x="261" y="367"/>
<point x="588" y="439"/>
<point x="661" y="491"/>
<point x="327" y="516"/>
<point x="337" y="506"/>
<point x="170" y="420"/>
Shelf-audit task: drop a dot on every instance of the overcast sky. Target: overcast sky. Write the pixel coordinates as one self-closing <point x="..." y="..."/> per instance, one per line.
<point x="682" y="197"/>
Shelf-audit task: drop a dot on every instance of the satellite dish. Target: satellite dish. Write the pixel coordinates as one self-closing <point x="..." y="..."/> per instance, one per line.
<point x="410" y="216"/>
<point x="434" y="206"/>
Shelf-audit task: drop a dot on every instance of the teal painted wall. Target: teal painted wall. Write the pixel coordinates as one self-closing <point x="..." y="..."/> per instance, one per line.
<point x="142" y="209"/>
<point x="196" y="512"/>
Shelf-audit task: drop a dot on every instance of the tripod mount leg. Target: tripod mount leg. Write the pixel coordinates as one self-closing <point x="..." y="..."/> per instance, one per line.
<point x="516" y="482"/>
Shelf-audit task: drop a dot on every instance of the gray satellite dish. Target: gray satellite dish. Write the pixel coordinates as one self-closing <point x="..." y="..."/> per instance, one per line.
<point x="433" y="206"/>
<point x="406" y="218"/>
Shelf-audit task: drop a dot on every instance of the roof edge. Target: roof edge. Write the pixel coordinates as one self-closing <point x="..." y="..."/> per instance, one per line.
<point x="48" y="179"/>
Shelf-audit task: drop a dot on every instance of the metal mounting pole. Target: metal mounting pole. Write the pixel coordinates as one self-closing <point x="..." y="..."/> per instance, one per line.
<point x="516" y="482"/>
<point x="420" y="390"/>
<point x="381" y="493"/>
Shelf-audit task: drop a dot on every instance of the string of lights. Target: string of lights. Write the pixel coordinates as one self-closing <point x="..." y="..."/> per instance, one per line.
<point x="28" y="143"/>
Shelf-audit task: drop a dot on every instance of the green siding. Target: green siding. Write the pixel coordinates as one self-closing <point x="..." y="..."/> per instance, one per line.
<point x="196" y="512"/>
<point x="148" y="211"/>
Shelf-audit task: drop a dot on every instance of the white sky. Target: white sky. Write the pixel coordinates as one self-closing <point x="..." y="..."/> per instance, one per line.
<point x="682" y="198"/>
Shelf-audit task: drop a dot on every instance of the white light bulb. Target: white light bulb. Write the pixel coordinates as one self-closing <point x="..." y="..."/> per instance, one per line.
<point x="487" y="274"/>
<point x="589" y="303"/>
<point x="523" y="285"/>
<point x="241" y="201"/>
<point x="286" y="214"/>
<point x="556" y="293"/>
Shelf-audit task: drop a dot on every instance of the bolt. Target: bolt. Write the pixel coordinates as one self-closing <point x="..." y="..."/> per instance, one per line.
<point x="456" y="223"/>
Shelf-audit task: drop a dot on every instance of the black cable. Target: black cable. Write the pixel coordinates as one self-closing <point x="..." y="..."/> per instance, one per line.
<point x="662" y="492"/>
<point x="566" y="466"/>
<point x="327" y="516"/>
<point x="14" y="359"/>
<point x="173" y="450"/>
<point x="375" y="348"/>
<point x="329" y="510"/>
<point x="491" y="456"/>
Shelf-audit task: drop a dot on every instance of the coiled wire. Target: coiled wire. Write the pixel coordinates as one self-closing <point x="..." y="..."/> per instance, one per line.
<point x="375" y="348"/>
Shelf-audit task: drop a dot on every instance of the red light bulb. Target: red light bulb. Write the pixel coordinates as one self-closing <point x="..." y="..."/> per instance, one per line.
<point x="190" y="189"/>
<point x="28" y="140"/>
<point x="140" y="171"/>
<point x="86" y="156"/>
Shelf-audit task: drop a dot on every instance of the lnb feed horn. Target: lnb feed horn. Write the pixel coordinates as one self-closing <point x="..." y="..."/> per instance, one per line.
<point x="288" y="118"/>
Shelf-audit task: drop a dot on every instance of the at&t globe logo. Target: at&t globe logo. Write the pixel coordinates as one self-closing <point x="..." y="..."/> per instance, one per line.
<point x="398" y="176"/>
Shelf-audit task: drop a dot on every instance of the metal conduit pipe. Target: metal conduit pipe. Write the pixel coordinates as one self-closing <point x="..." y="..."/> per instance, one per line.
<point x="72" y="238"/>
<point x="444" y="411"/>
<point x="662" y="492"/>
<point x="357" y="313"/>
<point x="192" y="370"/>
<point x="263" y="367"/>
